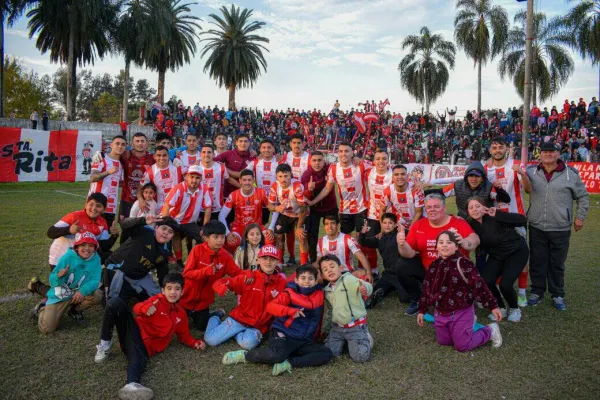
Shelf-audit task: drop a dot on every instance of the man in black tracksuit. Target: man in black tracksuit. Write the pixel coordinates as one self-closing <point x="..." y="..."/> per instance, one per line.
<point x="388" y="249"/>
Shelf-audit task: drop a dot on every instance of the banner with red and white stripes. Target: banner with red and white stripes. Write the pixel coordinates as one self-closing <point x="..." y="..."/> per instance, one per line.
<point x="28" y="155"/>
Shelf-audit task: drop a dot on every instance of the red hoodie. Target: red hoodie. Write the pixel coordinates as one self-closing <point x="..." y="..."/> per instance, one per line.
<point x="199" y="278"/>
<point x="157" y="330"/>
<point x="254" y="297"/>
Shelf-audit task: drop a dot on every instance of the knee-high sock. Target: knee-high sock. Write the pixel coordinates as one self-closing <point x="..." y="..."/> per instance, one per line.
<point x="290" y="239"/>
<point x="523" y="279"/>
<point x="371" y="254"/>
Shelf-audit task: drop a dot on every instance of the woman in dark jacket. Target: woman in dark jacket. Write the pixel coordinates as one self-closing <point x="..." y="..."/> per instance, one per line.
<point x="507" y="251"/>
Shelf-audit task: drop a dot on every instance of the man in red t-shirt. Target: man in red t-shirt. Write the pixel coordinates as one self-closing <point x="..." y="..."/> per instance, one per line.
<point x="418" y="249"/>
<point x="134" y="165"/>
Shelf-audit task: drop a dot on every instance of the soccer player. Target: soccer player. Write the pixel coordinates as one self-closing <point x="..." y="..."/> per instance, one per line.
<point x="163" y="174"/>
<point x="191" y="155"/>
<point x="220" y="143"/>
<point x="399" y="199"/>
<point x="214" y="176"/>
<point x="264" y="167"/>
<point x="235" y="160"/>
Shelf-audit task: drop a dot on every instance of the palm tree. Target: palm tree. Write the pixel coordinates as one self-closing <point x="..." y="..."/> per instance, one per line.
<point x="125" y="41"/>
<point x="582" y="34"/>
<point x="167" y="37"/>
<point x="551" y="63"/>
<point x="423" y="72"/>
<point x="236" y="55"/>
<point x="480" y="29"/>
<point x="76" y="32"/>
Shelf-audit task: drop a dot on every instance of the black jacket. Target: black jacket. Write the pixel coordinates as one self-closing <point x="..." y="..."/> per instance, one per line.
<point x="498" y="235"/>
<point x="388" y="248"/>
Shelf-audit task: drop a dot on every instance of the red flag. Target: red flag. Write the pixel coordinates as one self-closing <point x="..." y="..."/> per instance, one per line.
<point x="370" y="117"/>
<point x="360" y="122"/>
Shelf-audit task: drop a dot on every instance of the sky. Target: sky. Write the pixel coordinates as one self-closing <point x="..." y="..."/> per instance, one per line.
<point x="329" y="50"/>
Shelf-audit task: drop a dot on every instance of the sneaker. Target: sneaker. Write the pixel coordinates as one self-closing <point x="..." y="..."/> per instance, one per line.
<point x="102" y="352"/>
<point x="522" y="300"/>
<point x="371" y="341"/>
<point x="559" y="304"/>
<point x="412" y="309"/>
<point x="135" y="391"/>
<point x="180" y="266"/>
<point x="374" y="298"/>
<point x="280" y="368"/>
<point x="291" y="262"/>
<point x="496" y="337"/>
<point x="76" y="315"/>
<point x="234" y="357"/>
<point x="504" y="314"/>
<point x="514" y="315"/>
<point x="534" y="300"/>
<point x="35" y="311"/>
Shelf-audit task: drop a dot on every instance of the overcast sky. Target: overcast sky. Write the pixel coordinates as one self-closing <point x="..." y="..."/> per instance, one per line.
<point x="335" y="49"/>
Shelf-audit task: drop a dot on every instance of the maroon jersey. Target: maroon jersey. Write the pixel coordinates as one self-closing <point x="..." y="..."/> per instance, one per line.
<point x="134" y="168"/>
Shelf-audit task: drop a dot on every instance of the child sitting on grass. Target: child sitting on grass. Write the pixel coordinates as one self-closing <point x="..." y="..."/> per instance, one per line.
<point x="299" y="310"/>
<point x="148" y="331"/>
<point x="451" y="285"/>
<point x="246" y="256"/>
<point x="249" y="320"/>
<point x="206" y="263"/>
<point x="73" y="283"/>
<point x="345" y="294"/>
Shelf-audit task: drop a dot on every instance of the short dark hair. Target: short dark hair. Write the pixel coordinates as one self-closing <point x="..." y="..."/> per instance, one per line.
<point x="391" y="216"/>
<point x="220" y="134"/>
<point x="98" y="198"/>
<point x="317" y="153"/>
<point x="329" y="257"/>
<point x="346" y="143"/>
<point x="246" y="172"/>
<point x="399" y="166"/>
<point x="161" y="148"/>
<point x="498" y="140"/>
<point x="162" y="136"/>
<point x="213" y="228"/>
<point x="119" y="137"/>
<point x="307" y="268"/>
<point x="140" y="134"/>
<point x="209" y="146"/>
<point x="269" y="141"/>
<point x="332" y="217"/>
<point x="297" y="136"/>
<point x="174" y="277"/>
<point x="190" y="134"/>
<point x="242" y="135"/>
<point x="285" y="168"/>
<point x="150" y="185"/>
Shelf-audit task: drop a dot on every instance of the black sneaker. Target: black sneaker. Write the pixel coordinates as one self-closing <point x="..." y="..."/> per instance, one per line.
<point x="77" y="316"/>
<point x="374" y="298"/>
<point x="35" y="311"/>
<point x="291" y="262"/>
<point x="180" y="266"/>
<point x="412" y="309"/>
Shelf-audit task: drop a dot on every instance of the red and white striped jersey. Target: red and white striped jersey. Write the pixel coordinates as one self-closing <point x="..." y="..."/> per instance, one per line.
<point x="351" y="185"/>
<point x="298" y="164"/>
<point x="343" y="247"/>
<point x="511" y="182"/>
<point x="164" y="179"/>
<point x="264" y="172"/>
<point x="185" y="206"/>
<point x="248" y="209"/>
<point x="214" y="179"/>
<point x="403" y="204"/>
<point x="109" y="185"/>
<point x="292" y="198"/>
<point x="376" y="184"/>
<point x="188" y="159"/>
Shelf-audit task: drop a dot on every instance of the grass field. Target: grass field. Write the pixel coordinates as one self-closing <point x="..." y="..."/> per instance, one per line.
<point x="548" y="355"/>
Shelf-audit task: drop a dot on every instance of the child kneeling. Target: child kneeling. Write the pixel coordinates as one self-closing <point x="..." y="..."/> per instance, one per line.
<point x="73" y="283"/>
<point x="148" y="331"/>
<point x="345" y="294"/>
<point x="451" y="285"/>
<point x="299" y="311"/>
<point x="249" y="320"/>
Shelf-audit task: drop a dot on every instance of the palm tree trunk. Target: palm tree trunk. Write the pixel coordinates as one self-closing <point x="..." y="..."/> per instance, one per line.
<point x="231" y="97"/>
<point x="2" y="68"/>
<point x="126" y="90"/>
<point x="161" y="86"/>
<point x="533" y="92"/>
<point x="479" y="87"/>
<point x="71" y="77"/>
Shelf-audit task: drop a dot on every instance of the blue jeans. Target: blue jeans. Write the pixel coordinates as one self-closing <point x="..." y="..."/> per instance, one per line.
<point x="218" y="332"/>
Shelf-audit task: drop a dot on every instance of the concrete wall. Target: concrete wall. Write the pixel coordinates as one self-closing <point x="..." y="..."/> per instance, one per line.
<point x="108" y="130"/>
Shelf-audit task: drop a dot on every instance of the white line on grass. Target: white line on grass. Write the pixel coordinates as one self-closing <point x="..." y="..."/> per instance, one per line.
<point x="14" y="297"/>
<point x="71" y="194"/>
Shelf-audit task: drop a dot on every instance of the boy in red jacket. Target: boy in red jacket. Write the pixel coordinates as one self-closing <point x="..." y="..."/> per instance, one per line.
<point x="205" y="264"/>
<point x="149" y="331"/>
<point x="249" y="320"/>
<point x="299" y="312"/>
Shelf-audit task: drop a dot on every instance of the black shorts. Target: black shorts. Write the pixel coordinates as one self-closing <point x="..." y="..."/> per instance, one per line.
<point x="287" y="224"/>
<point x="125" y="209"/>
<point x="110" y="218"/>
<point x="352" y="222"/>
<point x="374" y="227"/>
<point x="191" y="230"/>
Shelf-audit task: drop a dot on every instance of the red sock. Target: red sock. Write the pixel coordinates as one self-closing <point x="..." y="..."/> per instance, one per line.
<point x="303" y="258"/>
<point x="179" y="254"/>
<point x="498" y="280"/>
<point x="523" y="279"/>
<point x="290" y="239"/>
<point x="371" y="256"/>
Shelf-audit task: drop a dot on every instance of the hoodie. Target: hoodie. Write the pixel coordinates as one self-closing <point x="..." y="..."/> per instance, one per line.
<point x="320" y="179"/>
<point x="292" y="299"/>
<point x="83" y="276"/>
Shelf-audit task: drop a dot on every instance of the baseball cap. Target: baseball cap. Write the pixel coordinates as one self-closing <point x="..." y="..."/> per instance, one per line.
<point x="170" y="222"/>
<point x="85" y="237"/>
<point x="195" y="169"/>
<point x="548" y="146"/>
<point x="475" y="172"/>
<point x="269" y="251"/>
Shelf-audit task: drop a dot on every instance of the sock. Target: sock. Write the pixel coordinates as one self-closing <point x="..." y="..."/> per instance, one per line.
<point x="371" y="256"/>
<point x="498" y="280"/>
<point x="290" y="239"/>
<point x="522" y="292"/>
<point x="303" y="258"/>
<point x="179" y="254"/>
<point x="104" y="343"/>
<point x="523" y="281"/>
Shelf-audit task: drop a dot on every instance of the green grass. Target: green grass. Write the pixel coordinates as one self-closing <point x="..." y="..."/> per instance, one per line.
<point x="548" y="355"/>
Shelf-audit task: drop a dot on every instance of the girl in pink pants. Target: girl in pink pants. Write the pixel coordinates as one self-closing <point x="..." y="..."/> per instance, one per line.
<point x="451" y="285"/>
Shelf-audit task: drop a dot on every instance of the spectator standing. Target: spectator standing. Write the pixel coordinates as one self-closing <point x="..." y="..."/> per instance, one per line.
<point x="34" y="119"/>
<point x="45" y="118"/>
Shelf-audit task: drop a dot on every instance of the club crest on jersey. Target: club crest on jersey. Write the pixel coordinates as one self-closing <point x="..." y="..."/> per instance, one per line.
<point x="332" y="246"/>
<point x="267" y="166"/>
<point x="348" y="173"/>
<point x="402" y="199"/>
<point x="379" y="180"/>
<point x="500" y="174"/>
<point x="274" y="293"/>
<point x="208" y="174"/>
<point x="296" y="163"/>
<point x="165" y="174"/>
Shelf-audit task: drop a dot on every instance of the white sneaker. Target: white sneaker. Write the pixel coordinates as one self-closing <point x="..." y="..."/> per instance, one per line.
<point x="371" y="341"/>
<point x="502" y="310"/>
<point x="102" y="352"/>
<point x="135" y="391"/>
<point x="496" y="337"/>
<point x="514" y="315"/>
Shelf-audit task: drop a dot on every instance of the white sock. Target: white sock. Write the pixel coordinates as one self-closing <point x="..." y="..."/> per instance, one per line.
<point x="105" y="343"/>
<point x="522" y="292"/>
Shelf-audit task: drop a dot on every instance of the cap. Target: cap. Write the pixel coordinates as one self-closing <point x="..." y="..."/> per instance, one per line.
<point x="475" y="172"/>
<point x="269" y="251"/>
<point x="548" y="146"/>
<point x="170" y="222"/>
<point x="195" y="169"/>
<point x="85" y="237"/>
